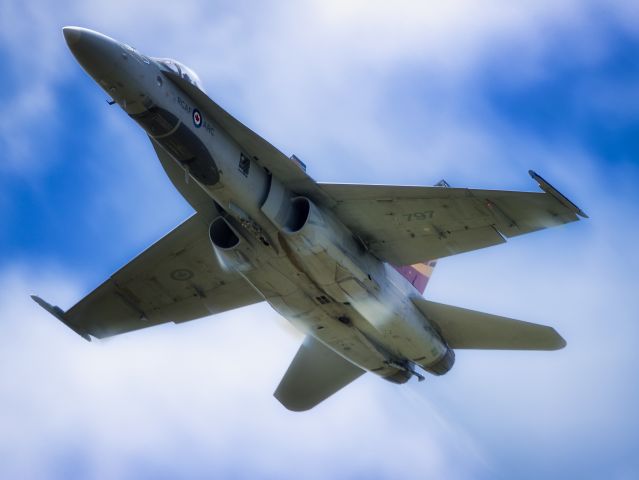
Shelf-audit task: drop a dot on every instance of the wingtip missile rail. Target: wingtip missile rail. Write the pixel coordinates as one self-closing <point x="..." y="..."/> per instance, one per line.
<point x="548" y="188"/>
<point x="58" y="313"/>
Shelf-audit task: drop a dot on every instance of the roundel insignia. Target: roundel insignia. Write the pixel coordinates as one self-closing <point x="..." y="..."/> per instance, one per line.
<point x="181" y="274"/>
<point x="197" y="118"/>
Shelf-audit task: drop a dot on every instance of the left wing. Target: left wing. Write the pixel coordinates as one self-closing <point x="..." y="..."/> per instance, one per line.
<point x="405" y="225"/>
<point x="315" y="374"/>
<point x="177" y="279"/>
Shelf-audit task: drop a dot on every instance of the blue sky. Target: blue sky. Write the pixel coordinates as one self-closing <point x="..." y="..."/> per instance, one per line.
<point x="372" y="92"/>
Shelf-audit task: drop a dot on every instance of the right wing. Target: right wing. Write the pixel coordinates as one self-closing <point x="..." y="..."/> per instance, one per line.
<point x="404" y="225"/>
<point x="177" y="279"/>
<point x="315" y="374"/>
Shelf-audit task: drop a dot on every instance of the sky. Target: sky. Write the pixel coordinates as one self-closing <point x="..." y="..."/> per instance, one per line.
<point x="405" y="92"/>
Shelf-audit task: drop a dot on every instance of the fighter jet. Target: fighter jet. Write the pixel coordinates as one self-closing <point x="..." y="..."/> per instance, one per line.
<point x="345" y="264"/>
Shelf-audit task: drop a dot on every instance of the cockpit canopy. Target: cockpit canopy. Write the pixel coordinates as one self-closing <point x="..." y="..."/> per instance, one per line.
<point x="182" y="70"/>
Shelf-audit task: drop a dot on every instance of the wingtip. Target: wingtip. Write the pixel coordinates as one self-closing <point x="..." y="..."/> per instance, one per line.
<point x="292" y="406"/>
<point x="58" y="313"/>
<point x="558" y="342"/>
<point x="548" y="188"/>
<point x="55" y="311"/>
<point x="561" y="343"/>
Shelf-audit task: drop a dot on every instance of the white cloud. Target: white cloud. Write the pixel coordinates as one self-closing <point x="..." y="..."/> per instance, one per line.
<point x="320" y="79"/>
<point x="195" y="399"/>
<point x="576" y="403"/>
<point x="33" y="64"/>
<point x="308" y="75"/>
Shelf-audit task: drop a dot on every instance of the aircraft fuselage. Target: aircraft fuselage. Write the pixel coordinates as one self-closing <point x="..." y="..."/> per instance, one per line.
<point x="306" y="264"/>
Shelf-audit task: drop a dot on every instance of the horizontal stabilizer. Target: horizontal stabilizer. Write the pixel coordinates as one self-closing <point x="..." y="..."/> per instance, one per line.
<point x="462" y="328"/>
<point x="315" y="374"/>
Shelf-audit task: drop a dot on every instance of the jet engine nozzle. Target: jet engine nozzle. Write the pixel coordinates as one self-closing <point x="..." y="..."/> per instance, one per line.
<point x="443" y="365"/>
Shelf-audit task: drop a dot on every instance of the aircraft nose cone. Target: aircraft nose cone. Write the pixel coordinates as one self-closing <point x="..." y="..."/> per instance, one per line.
<point x="72" y="35"/>
<point x="97" y="53"/>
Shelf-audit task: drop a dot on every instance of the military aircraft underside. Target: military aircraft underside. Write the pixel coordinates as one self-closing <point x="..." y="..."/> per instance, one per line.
<point x="345" y="264"/>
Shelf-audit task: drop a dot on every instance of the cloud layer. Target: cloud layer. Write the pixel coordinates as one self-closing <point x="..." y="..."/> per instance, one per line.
<point x="371" y="92"/>
<point x="195" y="401"/>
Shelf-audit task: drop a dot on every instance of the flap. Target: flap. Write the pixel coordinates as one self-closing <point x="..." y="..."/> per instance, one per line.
<point x="315" y="374"/>
<point x="405" y="225"/>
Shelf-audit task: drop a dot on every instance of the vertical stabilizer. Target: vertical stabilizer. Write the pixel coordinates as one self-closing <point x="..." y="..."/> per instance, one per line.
<point x="418" y="274"/>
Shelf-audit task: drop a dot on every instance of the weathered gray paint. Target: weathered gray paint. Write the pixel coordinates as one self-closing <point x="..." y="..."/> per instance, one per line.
<point x="316" y="253"/>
